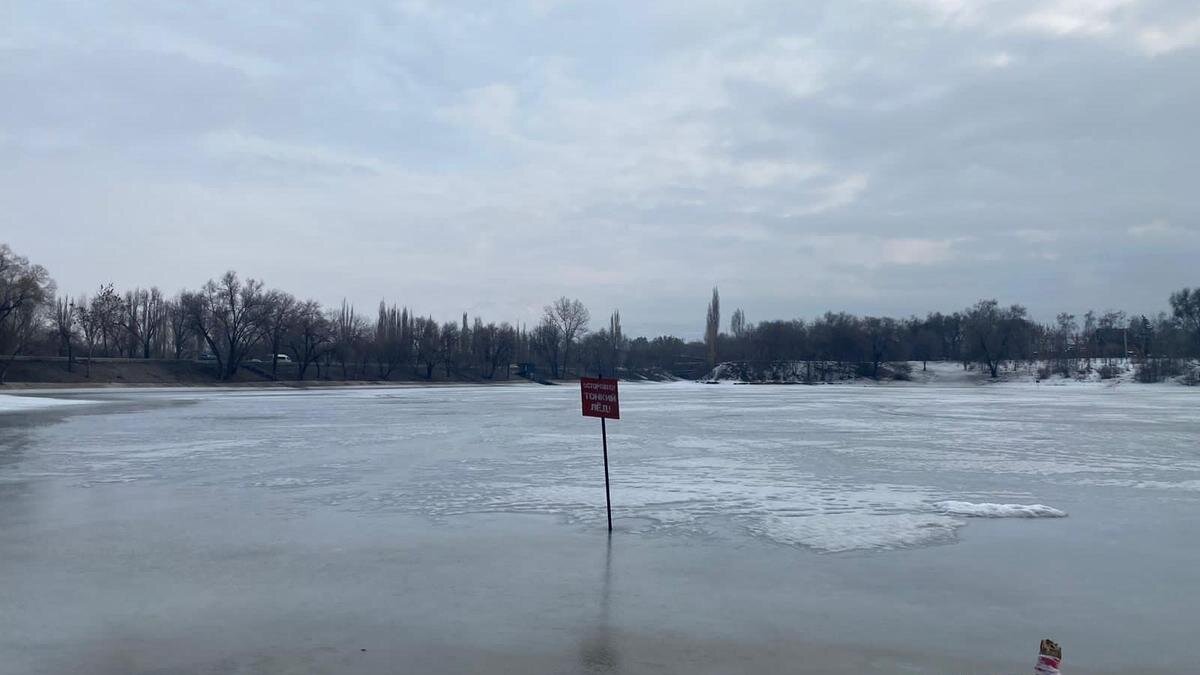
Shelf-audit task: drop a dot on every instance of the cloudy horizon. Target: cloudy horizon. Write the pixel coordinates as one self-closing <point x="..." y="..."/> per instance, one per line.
<point x="896" y="157"/>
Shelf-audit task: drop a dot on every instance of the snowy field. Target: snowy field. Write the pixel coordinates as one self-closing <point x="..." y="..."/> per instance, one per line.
<point x="762" y="529"/>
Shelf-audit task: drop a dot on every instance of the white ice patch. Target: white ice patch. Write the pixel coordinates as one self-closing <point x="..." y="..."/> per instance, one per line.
<point x="705" y="491"/>
<point x="290" y="482"/>
<point x="839" y="532"/>
<point x="11" y="403"/>
<point x="988" y="510"/>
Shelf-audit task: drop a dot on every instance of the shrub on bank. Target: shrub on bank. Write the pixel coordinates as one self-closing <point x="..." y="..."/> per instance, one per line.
<point x="1157" y="370"/>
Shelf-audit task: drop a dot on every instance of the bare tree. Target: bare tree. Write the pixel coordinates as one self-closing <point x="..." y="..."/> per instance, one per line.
<point x="924" y="344"/>
<point x="1089" y="330"/>
<point x="96" y="316"/>
<point x="481" y="339"/>
<point x="1062" y="347"/>
<point x="278" y="316"/>
<point x="570" y="318"/>
<point x="495" y="346"/>
<point x="21" y="283"/>
<point x="465" y="336"/>
<point x="1185" y="306"/>
<point x="428" y="344"/>
<point x="601" y="352"/>
<point x="228" y="315"/>
<point x="177" y="323"/>
<point x="25" y="291"/>
<point x="348" y="330"/>
<point x="309" y="336"/>
<point x="546" y="341"/>
<point x="993" y="333"/>
<point x="449" y="348"/>
<point x="882" y="340"/>
<point x="592" y="350"/>
<point x="19" y="330"/>
<point x="617" y="345"/>
<point x="153" y="316"/>
<point x="737" y="324"/>
<point x="64" y="327"/>
<point x="142" y="316"/>
<point x="392" y="349"/>
<point x="128" y="315"/>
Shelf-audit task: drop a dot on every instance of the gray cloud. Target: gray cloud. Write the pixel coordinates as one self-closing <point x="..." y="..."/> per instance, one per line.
<point x="879" y="157"/>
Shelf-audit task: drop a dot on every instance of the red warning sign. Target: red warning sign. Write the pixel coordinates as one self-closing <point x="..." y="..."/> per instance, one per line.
<point x="600" y="398"/>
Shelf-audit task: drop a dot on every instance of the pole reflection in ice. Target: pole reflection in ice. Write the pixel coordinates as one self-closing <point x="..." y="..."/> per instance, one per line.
<point x="598" y="653"/>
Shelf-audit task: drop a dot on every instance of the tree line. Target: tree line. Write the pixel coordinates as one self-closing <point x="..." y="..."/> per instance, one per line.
<point x="987" y="334"/>
<point x="239" y="324"/>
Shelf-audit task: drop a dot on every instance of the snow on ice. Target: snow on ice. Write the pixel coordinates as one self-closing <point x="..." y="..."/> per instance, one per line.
<point x="11" y="403"/>
<point x="987" y="510"/>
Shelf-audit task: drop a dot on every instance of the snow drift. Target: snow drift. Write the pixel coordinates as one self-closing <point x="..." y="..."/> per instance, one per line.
<point x="989" y="510"/>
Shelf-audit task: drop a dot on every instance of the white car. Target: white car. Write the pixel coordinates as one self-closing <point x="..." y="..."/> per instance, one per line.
<point x="283" y="358"/>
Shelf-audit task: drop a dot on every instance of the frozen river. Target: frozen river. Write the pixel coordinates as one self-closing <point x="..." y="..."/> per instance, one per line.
<point x="461" y="529"/>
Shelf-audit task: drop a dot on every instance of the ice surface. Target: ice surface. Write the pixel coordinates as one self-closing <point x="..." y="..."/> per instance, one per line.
<point x="759" y="515"/>
<point x="987" y="510"/>
<point x="830" y="470"/>
<point x="10" y="403"/>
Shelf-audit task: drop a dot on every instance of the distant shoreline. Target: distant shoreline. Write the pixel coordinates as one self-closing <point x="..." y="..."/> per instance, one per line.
<point x="943" y="373"/>
<point x="56" y="372"/>
<point x="162" y="374"/>
<point x="290" y="384"/>
<point x="39" y="373"/>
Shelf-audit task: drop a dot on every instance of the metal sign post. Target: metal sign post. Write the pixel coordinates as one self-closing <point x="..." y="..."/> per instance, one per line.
<point x="599" y="397"/>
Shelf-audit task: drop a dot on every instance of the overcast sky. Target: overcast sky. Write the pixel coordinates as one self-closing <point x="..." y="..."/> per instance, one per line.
<point x="885" y="157"/>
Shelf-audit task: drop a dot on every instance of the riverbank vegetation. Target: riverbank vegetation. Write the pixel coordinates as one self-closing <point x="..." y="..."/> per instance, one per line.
<point x="234" y="328"/>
